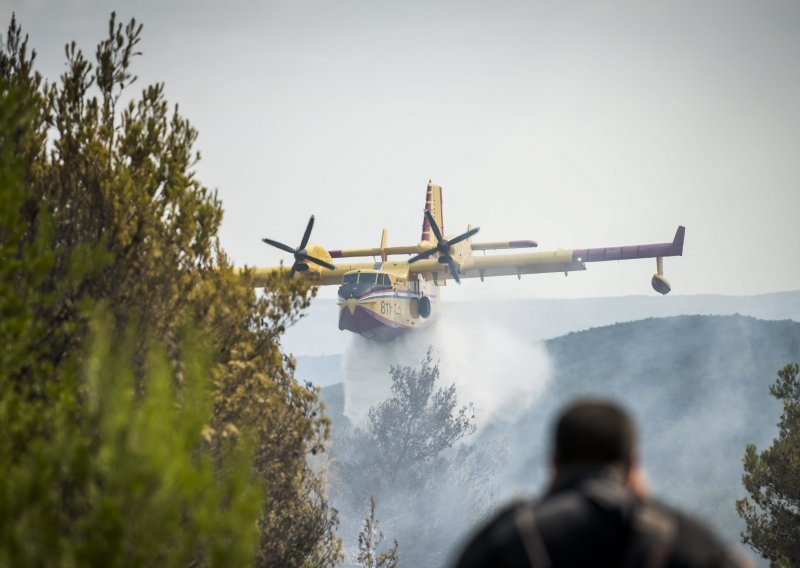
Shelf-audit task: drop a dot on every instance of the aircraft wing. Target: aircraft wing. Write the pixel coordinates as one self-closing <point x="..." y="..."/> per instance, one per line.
<point x="321" y="277"/>
<point x="473" y="266"/>
<point x="566" y="260"/>
<point x="505" y="264"/>
<point x="520" y="263"/>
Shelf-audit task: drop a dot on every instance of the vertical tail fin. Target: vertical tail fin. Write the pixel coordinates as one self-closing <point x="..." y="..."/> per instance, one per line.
<point x="433" y="203"/>
<point x="677" y="242"/>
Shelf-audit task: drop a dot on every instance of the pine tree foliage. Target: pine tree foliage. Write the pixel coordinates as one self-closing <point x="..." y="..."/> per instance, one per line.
<point x="772" y="479"/>
<point x="420" y="420"/>
<point x="370" y="538"/>
<point x="99" y="205"/>
<point x="412" y="456"/>
<point x="122" y="479"/>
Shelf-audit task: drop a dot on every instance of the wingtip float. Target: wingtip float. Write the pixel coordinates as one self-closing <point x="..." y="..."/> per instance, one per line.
<point x="386" y="298"/>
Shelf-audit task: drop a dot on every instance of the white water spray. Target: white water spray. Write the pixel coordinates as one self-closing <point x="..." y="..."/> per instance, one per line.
<point x="498" y="371"/>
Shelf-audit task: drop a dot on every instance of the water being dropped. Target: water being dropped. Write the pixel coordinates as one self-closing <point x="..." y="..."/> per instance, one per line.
<point x="500" y="372"/>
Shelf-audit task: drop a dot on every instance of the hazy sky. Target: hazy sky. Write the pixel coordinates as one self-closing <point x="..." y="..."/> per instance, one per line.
<point x="577" y="124"/>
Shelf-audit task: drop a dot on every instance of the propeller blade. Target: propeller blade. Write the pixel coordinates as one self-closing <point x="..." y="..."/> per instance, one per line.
<point x="422" y="255"/>
<point x="466" y="235"/>
<point x="279" y="245"/>
<point x="327" y="265"/>
<point x="307" y="234"/>
<point x="291" y="272"/>
<point x="453" y="268"/>
<point x="434" y="226"/>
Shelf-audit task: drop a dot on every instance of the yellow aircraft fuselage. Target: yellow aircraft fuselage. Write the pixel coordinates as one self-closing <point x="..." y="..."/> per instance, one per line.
<point x="381" y="305"/>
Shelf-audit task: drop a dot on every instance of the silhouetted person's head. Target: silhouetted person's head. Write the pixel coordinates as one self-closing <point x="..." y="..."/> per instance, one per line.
<point x="594" y="433"/>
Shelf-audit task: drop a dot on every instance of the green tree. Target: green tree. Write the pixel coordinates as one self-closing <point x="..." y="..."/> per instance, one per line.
<point x="412" y="456"/>
<point x="100" y="205"/>
<point x="92" y="472"/>
<point x="772" y="478"/>
<point x="122" y="479"/>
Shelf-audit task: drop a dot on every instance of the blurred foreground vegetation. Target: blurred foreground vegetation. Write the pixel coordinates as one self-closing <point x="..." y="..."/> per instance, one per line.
<point x="149" y="416"/>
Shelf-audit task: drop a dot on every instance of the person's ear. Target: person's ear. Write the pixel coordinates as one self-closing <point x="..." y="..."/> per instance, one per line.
<point x="637" y="480"/>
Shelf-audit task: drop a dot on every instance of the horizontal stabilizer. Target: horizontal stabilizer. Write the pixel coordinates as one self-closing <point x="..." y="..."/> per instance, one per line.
<point x="501" y="245"/>
<point x="338" y="253"/>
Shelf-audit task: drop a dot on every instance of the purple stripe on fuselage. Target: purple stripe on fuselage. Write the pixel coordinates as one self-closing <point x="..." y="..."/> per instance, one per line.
<point x="370" y="325"/>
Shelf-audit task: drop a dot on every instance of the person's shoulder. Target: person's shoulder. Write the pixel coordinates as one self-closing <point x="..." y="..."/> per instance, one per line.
<point x="694" y="543"/>
<point x="496" y="542"/>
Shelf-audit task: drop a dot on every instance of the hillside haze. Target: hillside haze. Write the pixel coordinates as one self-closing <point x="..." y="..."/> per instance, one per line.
<point x="697" y="386"/>
<point x="317" y="332"/>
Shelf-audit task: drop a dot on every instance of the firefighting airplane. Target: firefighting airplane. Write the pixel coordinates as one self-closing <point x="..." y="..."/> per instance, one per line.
<point x="384" y="299"/>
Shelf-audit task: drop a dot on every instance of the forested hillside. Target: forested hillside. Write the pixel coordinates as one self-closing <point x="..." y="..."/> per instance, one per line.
<point x="698" y="386"/>
<point x="316" y="333"/>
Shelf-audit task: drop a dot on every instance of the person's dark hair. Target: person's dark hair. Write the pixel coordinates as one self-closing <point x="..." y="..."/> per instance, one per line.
<point x="594" y="432"/>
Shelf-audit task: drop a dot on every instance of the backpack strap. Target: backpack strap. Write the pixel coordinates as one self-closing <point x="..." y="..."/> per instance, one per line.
<point x="652" y="537"/>
<point x="525" y="521"/>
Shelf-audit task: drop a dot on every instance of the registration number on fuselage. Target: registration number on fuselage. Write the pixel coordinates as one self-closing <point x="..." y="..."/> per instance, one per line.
<point x="387" y="308"/>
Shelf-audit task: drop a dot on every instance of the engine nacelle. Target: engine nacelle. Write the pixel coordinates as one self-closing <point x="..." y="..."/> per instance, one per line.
<point x="661" y="284"/>
<point x="320" y="252"/>
<point x="424" y="307"/>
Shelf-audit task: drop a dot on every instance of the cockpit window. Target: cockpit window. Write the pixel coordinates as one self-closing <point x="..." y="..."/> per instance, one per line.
<point x="367" y="278"/>
<point x="349" y="278"/>
<point x="383" y="280"/>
